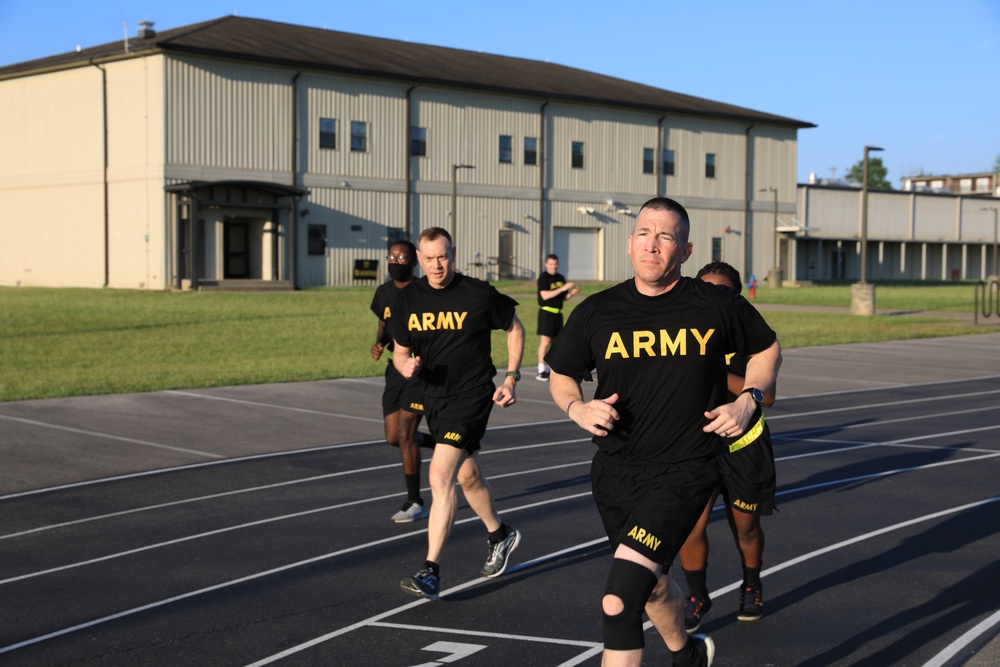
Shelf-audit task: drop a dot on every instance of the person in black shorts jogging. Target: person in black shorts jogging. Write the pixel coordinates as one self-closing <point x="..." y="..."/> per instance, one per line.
<point x="402" y="400"/>
<point x="442" y="335"/>
<point x="658" y="343"/>
<point x="553" y="290"/>
<point x="747" y="485"/>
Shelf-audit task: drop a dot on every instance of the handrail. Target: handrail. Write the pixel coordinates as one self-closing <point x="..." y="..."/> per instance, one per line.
<point x="990" y="294"/>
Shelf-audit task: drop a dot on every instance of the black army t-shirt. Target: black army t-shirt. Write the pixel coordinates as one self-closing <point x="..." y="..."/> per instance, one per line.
<point x="665" y="357"/>
<point x="384" y="303"/>
<point x="548" y="281"/>
<point x="449" y="329"/>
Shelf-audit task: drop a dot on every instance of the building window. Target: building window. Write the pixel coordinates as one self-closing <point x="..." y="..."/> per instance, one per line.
<point x="327" y="133"/>
<point x="530" y="150"/>
<point x="668" y="162"/>
<point x="359" y="136"/>
<point x="717" y="249"/>
<point x="709" y="165"/>
<point x="577" y="159"/>
<point x="983" y="184"/>
<point x="317" y="239"/>
<point x="506" y="148"/>
<point x="418" y="141"/>
<point x="648" y="160"/>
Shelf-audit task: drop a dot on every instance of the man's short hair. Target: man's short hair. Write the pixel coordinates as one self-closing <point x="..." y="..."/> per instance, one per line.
<point x="668" y="204"/>
<point x="410" y="248"/>
<point x="548" y="257"/>
<point x="725" y="270"/>
<point x="433" y="234"/>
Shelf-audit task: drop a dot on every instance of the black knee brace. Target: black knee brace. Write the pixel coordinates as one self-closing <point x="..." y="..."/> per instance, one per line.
<point x="632" y="584"/>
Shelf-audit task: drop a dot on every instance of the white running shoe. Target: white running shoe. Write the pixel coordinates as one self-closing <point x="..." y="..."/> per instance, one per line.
<point x="411" y="512"/>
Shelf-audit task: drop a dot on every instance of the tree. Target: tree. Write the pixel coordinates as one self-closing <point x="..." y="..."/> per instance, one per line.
<point x="996" y="163"/>
<point x="877" y="173"/>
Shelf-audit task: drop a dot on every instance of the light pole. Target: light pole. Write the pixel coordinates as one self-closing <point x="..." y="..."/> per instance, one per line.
<point x="863" y="294"/>
<point x="864" y="217"/>
<point x="996" y="228"/>
<point x="454" y="198"/>
<point x="777" y="244"/>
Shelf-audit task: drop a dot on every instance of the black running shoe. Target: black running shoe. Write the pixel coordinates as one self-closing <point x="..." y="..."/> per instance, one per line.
<point x="751" y="603"/>
<point x="543" y="376"/>
<point x="694" y="610"/>
<point x="496" y="559"/>
<point x="424" y="584"/>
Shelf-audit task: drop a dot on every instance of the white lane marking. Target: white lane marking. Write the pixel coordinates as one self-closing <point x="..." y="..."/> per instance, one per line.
<point x="848" y="542"/>
<point x="478" y="633"/>
<point x="967" y="638"/>
<point x="304" y="480"/>
<point x="108" y="436"/>
<point x="887" y="404"/>
<point x="890" y="386"/>
<point x="258" y="404"/>
<point x="284" y="568"/>
<point x="259" y="522"/>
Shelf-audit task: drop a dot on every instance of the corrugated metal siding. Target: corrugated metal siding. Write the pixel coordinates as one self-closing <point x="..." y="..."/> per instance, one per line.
<point x="935" y="219"/>
<point x="227" y="115"/>
<point x="381" y="105"/>
<point x="466" y="129"/>
<point x="692" y="139"/>
<point x="977" y="224"/>
<point x="613" y="141"/>
<point x="342" y="210"/>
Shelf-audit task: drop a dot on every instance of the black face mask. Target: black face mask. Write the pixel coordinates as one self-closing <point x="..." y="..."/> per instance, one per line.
<point x="400" y="272"/>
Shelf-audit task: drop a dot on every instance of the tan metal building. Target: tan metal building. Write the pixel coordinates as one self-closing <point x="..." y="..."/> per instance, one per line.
<point x="241" y="151"/>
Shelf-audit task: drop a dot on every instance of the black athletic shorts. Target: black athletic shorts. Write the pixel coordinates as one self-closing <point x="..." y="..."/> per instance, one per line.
<point x="549" y="324"/>
<point x="460" y="420"/>
<point x="400" y="393"/>
<point x="651" y="507"/>
<point x="747" y="468"/>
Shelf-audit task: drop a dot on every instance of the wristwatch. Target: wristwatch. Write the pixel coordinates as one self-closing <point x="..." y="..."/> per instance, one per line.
<point x="517" y="376"/>
<point x="756" y="394"/>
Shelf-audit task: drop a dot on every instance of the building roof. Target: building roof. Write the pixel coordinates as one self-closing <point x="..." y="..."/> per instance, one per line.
<point x="327" y="50"/>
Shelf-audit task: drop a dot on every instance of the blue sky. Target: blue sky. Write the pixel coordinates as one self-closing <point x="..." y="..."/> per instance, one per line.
<point x="919" y="78"/>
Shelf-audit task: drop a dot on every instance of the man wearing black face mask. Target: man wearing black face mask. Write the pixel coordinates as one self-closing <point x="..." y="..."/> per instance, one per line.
<point x="402" y="401"/>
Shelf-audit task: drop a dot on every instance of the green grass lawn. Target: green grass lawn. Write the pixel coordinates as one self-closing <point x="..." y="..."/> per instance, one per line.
<point x="73" y="342"/>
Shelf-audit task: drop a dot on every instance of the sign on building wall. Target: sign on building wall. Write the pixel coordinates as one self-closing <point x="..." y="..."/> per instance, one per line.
<point x="366" y="269"/>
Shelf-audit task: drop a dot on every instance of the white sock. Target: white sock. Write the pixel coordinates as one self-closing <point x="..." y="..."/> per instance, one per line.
<point x="541" y="368"/>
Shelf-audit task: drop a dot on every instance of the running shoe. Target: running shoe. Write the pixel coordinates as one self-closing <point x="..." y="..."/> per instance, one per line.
<point x="424" y="584"/>
<point x="751" y="603"/>
<point x="496" y="558"/>
<point x="706" y="650"/>
<point x="694" y="610"/>
<point x="411" y="512"/>
<point x="543" y="376"/>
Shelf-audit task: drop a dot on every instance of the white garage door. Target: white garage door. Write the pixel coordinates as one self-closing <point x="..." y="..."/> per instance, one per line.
<point x="578" y="252"/>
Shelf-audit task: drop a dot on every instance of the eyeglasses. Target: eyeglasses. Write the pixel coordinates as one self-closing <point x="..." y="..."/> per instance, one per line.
<point x="398" y="259"/>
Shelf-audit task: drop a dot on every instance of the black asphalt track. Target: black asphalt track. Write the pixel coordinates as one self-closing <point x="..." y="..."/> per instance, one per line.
<point x="249" y="526"/>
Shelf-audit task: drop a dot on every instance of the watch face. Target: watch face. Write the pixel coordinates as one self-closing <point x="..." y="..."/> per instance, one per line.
<point x="758" y="395"/>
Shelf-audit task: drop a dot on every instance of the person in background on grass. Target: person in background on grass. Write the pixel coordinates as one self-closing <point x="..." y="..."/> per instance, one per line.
<point x="658" y="343"/>
<point x="402" y="400"/>
<point x="442" y="329"/>
<point x="553" y="291"/>
<point x="747" y="486"/>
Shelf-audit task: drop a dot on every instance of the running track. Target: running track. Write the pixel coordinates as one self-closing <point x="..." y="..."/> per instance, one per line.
<point x="248" y="526"/>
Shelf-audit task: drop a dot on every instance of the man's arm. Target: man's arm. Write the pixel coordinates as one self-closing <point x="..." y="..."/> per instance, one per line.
<point x="597" y="416"/>
<point x="505" y="394"/>
<point x="732" y="419"/>
<point x="407" y="365"/>
<point x="381" y="338"/>
<point x="547" y="294"/>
